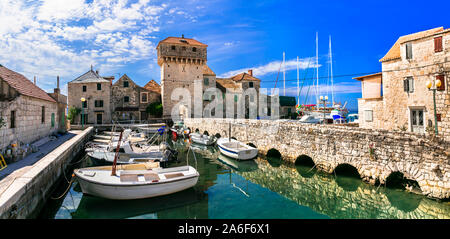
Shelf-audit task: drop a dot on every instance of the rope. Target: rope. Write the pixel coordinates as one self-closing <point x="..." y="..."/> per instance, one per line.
<point x="67" y="189"/>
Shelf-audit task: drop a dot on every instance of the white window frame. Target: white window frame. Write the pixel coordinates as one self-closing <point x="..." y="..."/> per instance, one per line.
<point x="142" y="93"/>
<point x="366" y="118"/>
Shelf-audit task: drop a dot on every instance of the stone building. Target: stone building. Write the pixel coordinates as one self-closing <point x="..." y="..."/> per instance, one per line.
<point x="287" y="106"/>
<point x="398" y="98"/>
<point x="182" y="62"/>
<point x="237" y="87"/>
<point x="61" y="101"/>
<point x="129" y="100"/>
<point x="97" y="92"/>
<point x="28" y="112"/>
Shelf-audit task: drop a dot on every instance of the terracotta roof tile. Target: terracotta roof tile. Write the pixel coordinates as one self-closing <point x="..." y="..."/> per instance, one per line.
<point x="23" y="85"/>
<point x="183" y="41"/>
<point x="244" y="76"/>
<point x="394" y="52"/>
<point x="208" y="71"/>
<point x="227" y="83"/>
<point x="153" y="86"/>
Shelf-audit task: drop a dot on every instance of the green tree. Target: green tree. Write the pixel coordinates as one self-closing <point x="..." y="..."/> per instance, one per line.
<point x="155" y="109"/>
<point x="73" y="112"/>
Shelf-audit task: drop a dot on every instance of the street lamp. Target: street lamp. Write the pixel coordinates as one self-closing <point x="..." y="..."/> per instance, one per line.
<point x="324" y="102"/>
<point x="82" y="111"/>
<point x="437" y="83"/>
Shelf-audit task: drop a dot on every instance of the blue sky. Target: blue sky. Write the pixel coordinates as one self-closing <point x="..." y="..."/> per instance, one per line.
<point x="50" y="37"/>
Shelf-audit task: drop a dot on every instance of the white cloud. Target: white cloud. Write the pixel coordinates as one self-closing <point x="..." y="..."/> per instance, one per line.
<point x="274" y="66"/>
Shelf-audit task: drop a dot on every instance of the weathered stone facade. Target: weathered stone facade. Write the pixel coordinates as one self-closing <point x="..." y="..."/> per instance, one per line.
<point x="129" y="100"/>
<point x="181" y="61"/>
<point x="28" y="120"/>
<point x="409" y="106"/>
<point x="97" y="92"/>
<point x="376" y="154"/>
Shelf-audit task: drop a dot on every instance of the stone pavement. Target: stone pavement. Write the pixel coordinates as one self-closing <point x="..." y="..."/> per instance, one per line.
<point x="16" y="169"/>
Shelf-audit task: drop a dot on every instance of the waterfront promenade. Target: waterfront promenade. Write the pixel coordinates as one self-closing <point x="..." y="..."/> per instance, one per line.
<point x="25" y="185"/>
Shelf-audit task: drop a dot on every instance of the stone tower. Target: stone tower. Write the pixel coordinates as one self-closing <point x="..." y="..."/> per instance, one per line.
<point x="181" y="61"/>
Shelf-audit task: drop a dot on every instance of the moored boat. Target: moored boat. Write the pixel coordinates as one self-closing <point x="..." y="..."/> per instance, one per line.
<point x="135" y="181"/>
<point x="236" y="149"/>
<point x="202" y="139"/>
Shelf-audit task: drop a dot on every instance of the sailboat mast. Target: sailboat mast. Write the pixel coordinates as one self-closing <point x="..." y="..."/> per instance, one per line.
<point x="284" y="76"/>
<point x="317" y="69"/>
<point x="298" y="86"/>
<point x="331" y="74"/>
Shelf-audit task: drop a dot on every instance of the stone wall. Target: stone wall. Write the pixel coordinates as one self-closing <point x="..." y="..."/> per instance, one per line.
<point x="26" y="196"/>
<point x="424" y="66"/>
<point x="425" y="160"/>
<point x="28" y="114"/>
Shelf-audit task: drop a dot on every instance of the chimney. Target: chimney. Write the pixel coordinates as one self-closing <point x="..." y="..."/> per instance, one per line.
<point x="96" y="72"/>
<point x="56" y="90"/>
<point x="250" y="72"/>
<point x="34" y="80"/>
<point x="182" y="35"/>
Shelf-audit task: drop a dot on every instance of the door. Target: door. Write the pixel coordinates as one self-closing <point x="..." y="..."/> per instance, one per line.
<point x="99" y="118"/>
<point x="417" y="120"/>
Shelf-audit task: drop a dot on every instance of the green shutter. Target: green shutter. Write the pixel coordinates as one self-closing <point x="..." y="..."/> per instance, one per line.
<point x="53" y="120"/>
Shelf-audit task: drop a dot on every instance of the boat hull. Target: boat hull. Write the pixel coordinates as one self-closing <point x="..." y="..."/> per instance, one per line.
<point x="117" y="192"/>
<point x="245" y="154"/>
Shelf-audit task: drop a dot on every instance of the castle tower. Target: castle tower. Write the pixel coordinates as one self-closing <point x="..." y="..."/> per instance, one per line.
<point x="181" y="61"/>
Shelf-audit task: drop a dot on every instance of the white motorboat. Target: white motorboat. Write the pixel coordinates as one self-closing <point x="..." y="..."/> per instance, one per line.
<point x="236" y="149"/>
<point x="135" y="181"/>
<point x="310" y="119"/>
<point x="104" y="157"/>
<point x="202" y="139"/>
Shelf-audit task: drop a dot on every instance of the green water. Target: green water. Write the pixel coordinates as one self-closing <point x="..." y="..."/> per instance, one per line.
<point x="261" y="188"/>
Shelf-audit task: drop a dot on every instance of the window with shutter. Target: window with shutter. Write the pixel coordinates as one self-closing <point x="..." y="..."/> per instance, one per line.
<point x="405" y="85"/>
<point x="411" y="84"/>
<point x="442" y="79"/>
<point x="438" y="44"/>
<point x="408" y="50"/>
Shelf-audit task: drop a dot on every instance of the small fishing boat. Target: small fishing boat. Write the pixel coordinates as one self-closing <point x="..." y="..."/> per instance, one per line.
<point x="135" y="181"/>
<point x="236" y="149"/>
<point x="353" y="118"/>
<point x="202" y="139"/>
<point x="104" y="157"/>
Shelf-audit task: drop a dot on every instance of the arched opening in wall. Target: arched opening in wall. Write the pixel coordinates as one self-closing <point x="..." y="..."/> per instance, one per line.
<point x="217" y="135"/>
<point x="273" y="156"/>
<point x="233" y="138"/>
<point x="252" y="145"/>
<point x="396" y="180"/>
<point x="305" y="166"/>
<point x="347" y="177"/>
<point x="197" y="131"/>
<point x="206" y="133"/>
<point x="170" y="123"/>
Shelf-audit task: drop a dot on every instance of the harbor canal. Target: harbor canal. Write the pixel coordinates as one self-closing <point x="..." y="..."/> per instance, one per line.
<point x="260" y="188"/>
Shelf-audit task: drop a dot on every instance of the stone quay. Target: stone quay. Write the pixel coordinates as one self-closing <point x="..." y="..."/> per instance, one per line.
<point x="376" y="154"/>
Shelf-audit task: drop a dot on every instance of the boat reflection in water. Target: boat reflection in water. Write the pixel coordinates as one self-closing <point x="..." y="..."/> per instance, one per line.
<point x="243" y="166"/>
<point x="160" y="207"/>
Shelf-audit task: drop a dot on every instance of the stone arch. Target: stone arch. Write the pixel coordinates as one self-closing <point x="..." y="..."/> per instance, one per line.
<point x="347" y="177"/>
<point x="218" y="135"/>
<point x="274" y="158"/>
<point x="305" y="166"/>
<point x="397" y="180"/>
<point x="205" y="133"/>
<point x="197" y="130"/>
<point x="233" y="138"/>
<point x="273" y="153"/>
<point x="304" y="160"/>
